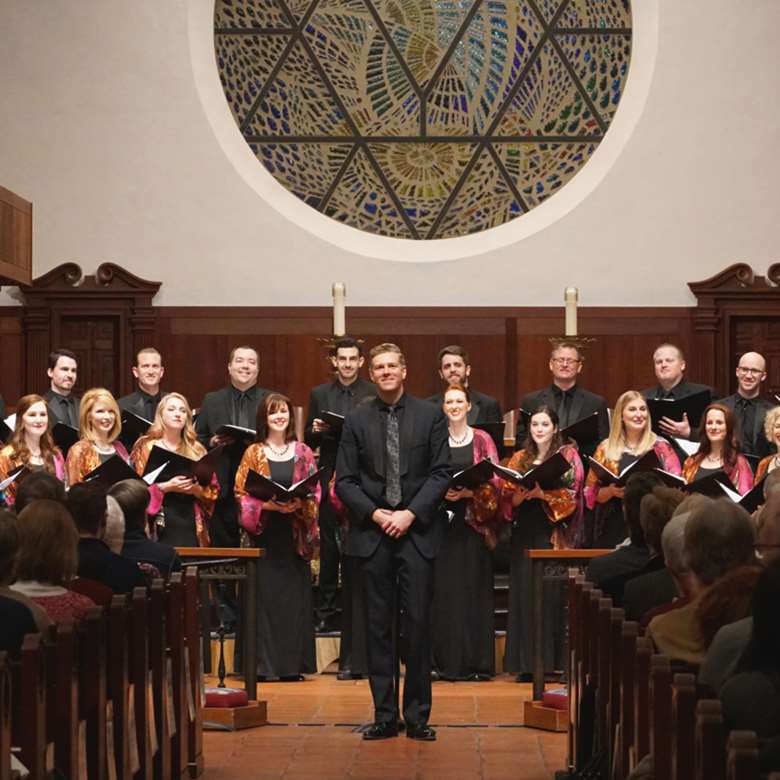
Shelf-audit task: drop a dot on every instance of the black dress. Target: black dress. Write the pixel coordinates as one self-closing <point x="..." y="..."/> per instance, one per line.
<point x="178" y="510"/>
<point x="531" y="530"/>
<point x="463" y="613"/>
<point x="610" y="524"/>
<point x="285" y="619"/>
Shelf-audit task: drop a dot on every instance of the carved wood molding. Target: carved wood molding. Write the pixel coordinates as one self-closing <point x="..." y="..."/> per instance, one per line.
<point x="67" y="280"/>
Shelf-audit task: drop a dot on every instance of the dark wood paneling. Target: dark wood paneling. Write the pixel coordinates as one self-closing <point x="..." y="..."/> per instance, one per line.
<point x="12" y="352"/>
<point x="15" y="238"/>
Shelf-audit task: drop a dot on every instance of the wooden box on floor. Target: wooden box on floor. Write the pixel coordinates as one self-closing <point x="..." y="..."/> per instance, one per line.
<point x="233" y="718"/>
<point x="537" y="716"/>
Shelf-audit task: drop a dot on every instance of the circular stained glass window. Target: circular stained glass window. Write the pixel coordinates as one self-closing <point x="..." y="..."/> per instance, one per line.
<point x="423" y="119"/>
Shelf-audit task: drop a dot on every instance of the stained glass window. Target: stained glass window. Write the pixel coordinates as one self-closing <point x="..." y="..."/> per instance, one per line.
<point x="423" y="119"/>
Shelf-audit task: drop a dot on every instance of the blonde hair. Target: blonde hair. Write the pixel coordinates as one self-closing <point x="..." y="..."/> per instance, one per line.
<point x="189" y="446"/>
<point x="89" y="401"/>
<point x="772" y="416"/>
<point x="616" y="443"/>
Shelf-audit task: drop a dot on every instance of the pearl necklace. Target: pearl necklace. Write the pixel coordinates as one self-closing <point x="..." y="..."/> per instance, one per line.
<point x="279" y="453"/>
<point x="458" y="442"/>
<point x="107" y="450"/>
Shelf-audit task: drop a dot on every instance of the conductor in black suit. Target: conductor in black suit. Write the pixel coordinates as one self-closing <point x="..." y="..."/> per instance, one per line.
<point x="669" y="364"/>
<point x="235" y="404"/>
<point x="455" y="369"/>
<point x="62" y="402"/>
<point x="148" y="372"/>
<point x="341" y="395"/>
<point x="571" y="402"/>
<point x="749" y="407"/>
<point x="391" y="473"/>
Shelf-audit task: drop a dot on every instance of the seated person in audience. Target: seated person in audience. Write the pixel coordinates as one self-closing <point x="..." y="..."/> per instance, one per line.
<point x="46" y="560"/>
<point x="654" y="584"/>
<point x="732" y="639"/>
<point x="16" y="620"/>
<point x="719" y="537"/>
<point x="719" y="451"/>
<point x="156" y="559"/>
<point x="751" y="698"/>
<point x="630" y="437"/>
<point x="114" y="536"/>
<point x="87" y="505"/>
<point x="749" y="407"/>
<point x="38" y="485"/>
<point x="9" y="545"/>
<point x="99" y="424"/>
<point x="611" y="571"/>
<point x="772" y="432"/>
<point x="31" y="445"/>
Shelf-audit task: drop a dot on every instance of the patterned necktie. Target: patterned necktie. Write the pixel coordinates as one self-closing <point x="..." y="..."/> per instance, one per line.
<point x="393" y="475"/>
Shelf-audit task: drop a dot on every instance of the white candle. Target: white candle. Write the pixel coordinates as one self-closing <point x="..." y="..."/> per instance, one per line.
<point x="570" y="297"/>
<point x="339" y="310"/>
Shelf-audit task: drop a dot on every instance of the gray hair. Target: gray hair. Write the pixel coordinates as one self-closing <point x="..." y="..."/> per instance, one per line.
<point x="673" y="543"/>
<point x="114" y="536"/>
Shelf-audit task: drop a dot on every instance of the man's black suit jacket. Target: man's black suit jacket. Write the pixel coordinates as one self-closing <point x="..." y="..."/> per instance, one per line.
<point x="484" y="408"/>
<point x="584" y="403"/>
<point x="137" y="404"/>
<point x="761" y="446"/>
<point x="97" y="562"/>
<point x="328" y="398"/>
<point x="54" y="408"/>
<point x="425" y="474"/>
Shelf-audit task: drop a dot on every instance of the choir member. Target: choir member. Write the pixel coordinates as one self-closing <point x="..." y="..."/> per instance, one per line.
<point x="340" y="395"/>
<point x="289" y="534"/>
<point x="63" y="403"/>
<point x="455" y="369"/>
<point x="234" y="404"/>
<point x="148" y="371"/>
<point x="99" y="426"/>
<point x="719" y="450"/>
<point x="463" y="627"/>
<point x="749" y="407"/>
<point x="31" y="445"/>
<point x="538" y="519"/>
<point x="182" y="503"/>
<point x="772" y="433"/>
<point x="630" y="437"/>
<point x="570" y="401"/>
<point x="669" y="364"/>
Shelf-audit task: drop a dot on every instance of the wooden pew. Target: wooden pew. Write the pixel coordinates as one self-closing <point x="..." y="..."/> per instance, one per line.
<point x="586" y="712"/>
<point x="192" y="636"/>
<point x="5" y="716"/>
<point x="710" y="757"/>
<point x="579" y="595"/>
<point x="92" y="690"/>
<point x="62" y="700"/>
<point x="179" y="682"/>
<point x="140" y="684"/>
<point x="601" y="651"/>
<point x="617" y="618"/>
<point x="161" y="693"/>
<point x="742" y="760"/>
<point x="29" y="708"/>
<point x="118" y="686"/>
<point x="641" y="743"/>
<point x="627" y="670"/>
<point x="660" y="714"/>
<point x="683" y="725"/>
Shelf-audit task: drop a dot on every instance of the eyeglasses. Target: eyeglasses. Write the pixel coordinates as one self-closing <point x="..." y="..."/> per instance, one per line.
<point x="751" y="371"/>
<point x="565" y="361"/>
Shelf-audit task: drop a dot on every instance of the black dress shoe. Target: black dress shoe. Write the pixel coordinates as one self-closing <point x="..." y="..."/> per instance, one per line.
<point x="292" y="678"/>
<point x="479" y="677"/>
<point x="524" y="677"/>
<point x="421" y="731"/>
<point x="435" y="675"/>
<point x="381" y="730"/>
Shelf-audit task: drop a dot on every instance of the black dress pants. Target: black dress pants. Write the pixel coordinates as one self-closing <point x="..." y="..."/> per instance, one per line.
<point x="399" y="560"/>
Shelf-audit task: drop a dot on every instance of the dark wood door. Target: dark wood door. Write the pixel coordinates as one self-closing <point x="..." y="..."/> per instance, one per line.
<point x="95" y="340"/>
<point x="757" y="334"/>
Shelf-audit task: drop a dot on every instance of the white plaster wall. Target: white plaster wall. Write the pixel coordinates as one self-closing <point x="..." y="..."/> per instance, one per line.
<point x="103" y="127"/>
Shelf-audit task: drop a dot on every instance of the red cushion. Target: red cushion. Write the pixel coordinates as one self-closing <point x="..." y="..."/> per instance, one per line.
<point x="557" y="698"/>
<point x="226" y="697"/>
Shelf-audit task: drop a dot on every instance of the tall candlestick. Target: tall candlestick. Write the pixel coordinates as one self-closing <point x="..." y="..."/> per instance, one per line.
<point x="570" y="296"/>
<point x="339" y="310"/>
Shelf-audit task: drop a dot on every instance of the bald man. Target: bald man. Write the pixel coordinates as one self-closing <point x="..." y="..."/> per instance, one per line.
<point x="749" y="406"/>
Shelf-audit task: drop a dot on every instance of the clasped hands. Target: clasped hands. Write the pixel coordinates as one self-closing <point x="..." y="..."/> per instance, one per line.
<point x="455" y="494"/>
<point x="608" y="492"/>
<point x="394" y="522"/>
<point x="522" y="494"/>
<point x="181" y="484"/>
<point x="285" y="507"/>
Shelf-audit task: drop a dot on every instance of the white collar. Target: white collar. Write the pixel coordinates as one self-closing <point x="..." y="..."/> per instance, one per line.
<point x="33" y="589"/>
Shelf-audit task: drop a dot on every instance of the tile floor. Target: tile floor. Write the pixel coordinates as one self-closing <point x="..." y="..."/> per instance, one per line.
<point x="311" y="736"/>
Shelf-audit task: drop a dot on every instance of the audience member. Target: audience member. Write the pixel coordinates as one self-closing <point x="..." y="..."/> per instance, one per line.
<point x="610" y="572"/>
<point x="87" y="504"/>
<point x="114" y="536"/>
<point x="39" y="484"/>
<point x="154" y="558"/>
<point x="719" y="537"/>
<point x="654" y="584"/>
<point x="46" y="560"/>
